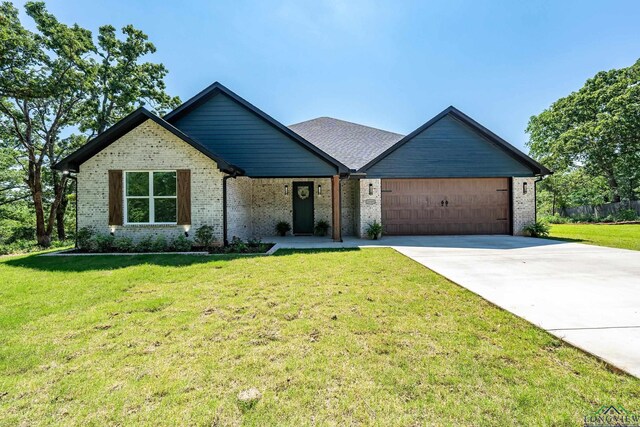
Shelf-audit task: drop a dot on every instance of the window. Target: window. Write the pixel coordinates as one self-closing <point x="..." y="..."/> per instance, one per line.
<point x="150" y="197"/>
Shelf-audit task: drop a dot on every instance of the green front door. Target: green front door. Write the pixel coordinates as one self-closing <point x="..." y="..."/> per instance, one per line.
<point x="303" y="208"/>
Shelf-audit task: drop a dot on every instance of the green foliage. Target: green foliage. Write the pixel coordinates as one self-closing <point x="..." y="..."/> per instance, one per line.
<point x="626" y="215"/>
<point x="283" y="227"/>
<point x="536" y="229"/>
<point x="205" y="236"/>
<point x="102" y="243"/>
<point x="237" y="246"/>
<point x="159" y="244"/>
<point x="145" y="244"/>
<point x="181" y="244"/>
<point x="555" y="219"/>
<point x="123" y="244"/>
<point x="321" y="228"/>
<point x="85" y="238"/>
<point x="595" y="128"/>
<point x="374" y="230"/>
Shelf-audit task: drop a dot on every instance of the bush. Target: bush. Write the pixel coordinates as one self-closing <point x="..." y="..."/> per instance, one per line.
<point x="205" y="236"/>
<point x="283" y="227"/>
<point x="102" y="243"/>
<point x="145" y="244"/>
<point x="159" y="244"/>
<point x="321" y="228"/>
<point x="123" y="244"/>
<point x="374" y="230"/>
<point x="237" y="245"/>
<point x="21" y="232"/>
<point x="536" y="229"/>
<point x="84" y="238"/>
<point x="626" y="215"/>
<point x="254" y="242"/>
<point x="556" y="219"/>
<point x="181" y="244"/>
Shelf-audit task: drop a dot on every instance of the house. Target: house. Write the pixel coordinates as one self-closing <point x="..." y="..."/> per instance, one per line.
<point x="218" y="160"/>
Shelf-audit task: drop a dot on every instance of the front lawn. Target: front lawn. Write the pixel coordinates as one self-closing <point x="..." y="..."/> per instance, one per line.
<point x="329" y="338"/>
<point x="625" y="236"/>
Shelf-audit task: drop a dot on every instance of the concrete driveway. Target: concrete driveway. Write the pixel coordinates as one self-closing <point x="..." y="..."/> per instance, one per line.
<point x="586" y="295"/>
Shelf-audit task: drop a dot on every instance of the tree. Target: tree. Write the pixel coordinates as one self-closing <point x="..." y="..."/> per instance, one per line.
<point x="596" y="128"/>
<point x="66" y="83"/>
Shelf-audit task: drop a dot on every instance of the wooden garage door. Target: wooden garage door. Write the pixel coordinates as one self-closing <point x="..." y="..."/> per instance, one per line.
<point x="445" y="206"/>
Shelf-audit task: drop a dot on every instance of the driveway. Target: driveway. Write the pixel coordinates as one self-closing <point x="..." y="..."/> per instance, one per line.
<point x="586" y="295"/>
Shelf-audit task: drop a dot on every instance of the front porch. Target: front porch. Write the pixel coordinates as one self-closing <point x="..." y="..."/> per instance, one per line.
<point x="255" y="205"/>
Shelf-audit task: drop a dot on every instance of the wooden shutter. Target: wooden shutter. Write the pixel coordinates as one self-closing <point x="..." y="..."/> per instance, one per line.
<point x="115" y="197"/>
<point x="184" y="196"/>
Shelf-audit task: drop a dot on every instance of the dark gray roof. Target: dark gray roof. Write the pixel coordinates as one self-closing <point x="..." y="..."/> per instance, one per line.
<point x="351" y="144"/>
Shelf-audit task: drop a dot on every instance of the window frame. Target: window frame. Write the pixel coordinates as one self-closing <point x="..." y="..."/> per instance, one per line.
<point x="150" y="197"/>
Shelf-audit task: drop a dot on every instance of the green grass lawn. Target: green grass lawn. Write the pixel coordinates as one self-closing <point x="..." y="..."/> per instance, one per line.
<point x="329" y="338"/>
<point x="625" y="236"/>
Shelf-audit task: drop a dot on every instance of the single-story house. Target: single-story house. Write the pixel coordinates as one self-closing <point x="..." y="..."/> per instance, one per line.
<point x="218" y="160"/>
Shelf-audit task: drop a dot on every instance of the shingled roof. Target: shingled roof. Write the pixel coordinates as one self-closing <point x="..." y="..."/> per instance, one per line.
<point x="351" y="144"/>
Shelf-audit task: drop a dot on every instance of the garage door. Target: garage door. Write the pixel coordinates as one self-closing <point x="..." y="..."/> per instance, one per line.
<point x="445" y="206"/>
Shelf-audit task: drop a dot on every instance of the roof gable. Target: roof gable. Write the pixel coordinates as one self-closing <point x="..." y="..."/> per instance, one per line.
<point x="351" y="143"/>
<point x="248" y="137"/>
<point x="73" y="161"/>
<point x="452" y="145"/>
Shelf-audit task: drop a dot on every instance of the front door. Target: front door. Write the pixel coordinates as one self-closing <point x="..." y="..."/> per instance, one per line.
<point x="303" y="208"/>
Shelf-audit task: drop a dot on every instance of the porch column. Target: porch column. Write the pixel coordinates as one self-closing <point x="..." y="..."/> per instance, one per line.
<point x="336" y="209"/>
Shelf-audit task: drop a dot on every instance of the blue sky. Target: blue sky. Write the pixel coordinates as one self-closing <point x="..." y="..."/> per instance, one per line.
<point x="387" y="64"/>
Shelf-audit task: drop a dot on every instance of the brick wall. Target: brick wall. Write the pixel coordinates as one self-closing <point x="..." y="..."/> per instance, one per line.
<point x="524" y="205"/>
<point x="149" y="147"/>
<point x="370" y="205"/>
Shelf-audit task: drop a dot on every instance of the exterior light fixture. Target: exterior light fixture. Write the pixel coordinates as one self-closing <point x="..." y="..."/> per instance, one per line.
<point x="186" y="230"/>
<point x="113" y="230"/>
<point x="319" y="189"/>
<point x="524" y="188"/>
<point x="371" y="189"/>
<point x="65" y="172"/>
<point x="286" y="189"/>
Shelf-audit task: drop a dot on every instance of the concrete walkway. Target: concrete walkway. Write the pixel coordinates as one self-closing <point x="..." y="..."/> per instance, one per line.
<point x="586" y="295"/>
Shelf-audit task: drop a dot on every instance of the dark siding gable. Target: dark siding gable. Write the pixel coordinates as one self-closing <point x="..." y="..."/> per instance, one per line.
<point x="448" y="148"/>
<point x="246" y="140"/>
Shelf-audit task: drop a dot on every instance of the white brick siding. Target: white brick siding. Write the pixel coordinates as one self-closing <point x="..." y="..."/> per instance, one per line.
<point x="149" y="147"/>
<point x="369" y="205"/>
<point x="524" y="205"/>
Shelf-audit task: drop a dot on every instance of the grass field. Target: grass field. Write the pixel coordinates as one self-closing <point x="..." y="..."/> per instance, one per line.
<point x="329" y="338"/>
<point x="625" y="236"/>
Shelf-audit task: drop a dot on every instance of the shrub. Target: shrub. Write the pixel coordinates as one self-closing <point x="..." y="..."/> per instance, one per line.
<point x="181" y="244"/>
<point x="102" y="243"/>
<point x="159" y="244"/>
<point x="84" y="238"/>
<point x="205" y="236"/>
<point x="123" y="244"/>
<point x="555" y="219"/>
<point x="21" y="232"/>
<point x="254" y="242"/>
<point x="283" y="227"/>
<point x="145" y="244"/>
<point x="321" y="228"/>
<point x="374" y="230"/>
<point x="536" y="229"/>
<point x="626" y="215"/>
<point x="237" y="245"/>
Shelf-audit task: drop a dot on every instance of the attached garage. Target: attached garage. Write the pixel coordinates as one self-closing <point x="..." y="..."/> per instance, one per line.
<point x="446" y="206"/>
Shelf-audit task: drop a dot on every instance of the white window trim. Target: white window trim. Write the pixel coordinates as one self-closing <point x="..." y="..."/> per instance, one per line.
<point x="150" y="197"/>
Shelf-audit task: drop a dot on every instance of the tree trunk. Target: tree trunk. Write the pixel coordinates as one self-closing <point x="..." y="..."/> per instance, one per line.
<point x="35" y="185"/>
<point x="60" y="213"/>
<point x="613" y="185"/>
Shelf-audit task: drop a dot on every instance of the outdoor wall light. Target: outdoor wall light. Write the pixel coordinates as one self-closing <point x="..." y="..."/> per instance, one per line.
<point x="186" y="234"/>
<point x="524" y="188"/>
<point x="371" y="189"/>
<point x="286" y="189"/>
<point x="186" y="230"/>
<point x="112" y="230"/>
<point x="319" y="190"/>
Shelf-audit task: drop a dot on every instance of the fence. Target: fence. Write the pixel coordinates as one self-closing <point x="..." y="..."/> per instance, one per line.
<point x="600" y="211"/>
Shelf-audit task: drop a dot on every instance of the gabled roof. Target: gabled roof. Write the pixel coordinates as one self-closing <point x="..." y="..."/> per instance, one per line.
<point x="73" y="161"/>
<point x="217" y="87"/>
<point x="351" y="143"/>
<point x="536" y="167"/>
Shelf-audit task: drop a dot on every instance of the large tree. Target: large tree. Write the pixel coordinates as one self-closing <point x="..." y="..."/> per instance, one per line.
<point x="596" y="128"/>
<point x="57" y="80"/>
